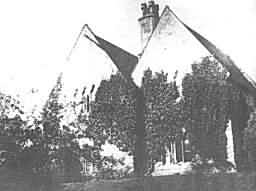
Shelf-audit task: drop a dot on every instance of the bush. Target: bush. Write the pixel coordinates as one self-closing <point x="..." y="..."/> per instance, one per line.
<point x="250" y="141"/>
<point x="209" y="167"/>
<point x="112" y="168"/>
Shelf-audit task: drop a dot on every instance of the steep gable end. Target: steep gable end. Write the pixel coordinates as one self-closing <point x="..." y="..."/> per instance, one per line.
<point x="170" y="47"/>
<point x="175" y="46"/>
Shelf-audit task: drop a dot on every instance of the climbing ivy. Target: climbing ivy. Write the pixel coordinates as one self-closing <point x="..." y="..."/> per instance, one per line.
<point x="112" y="117"/>
<point x="207" y="99"/>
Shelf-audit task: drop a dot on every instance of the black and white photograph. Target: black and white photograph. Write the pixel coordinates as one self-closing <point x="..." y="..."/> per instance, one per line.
<point x="128" y="95"/>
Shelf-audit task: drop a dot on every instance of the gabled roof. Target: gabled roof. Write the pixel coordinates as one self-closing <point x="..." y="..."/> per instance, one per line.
<point x="236" y="75"/>
<point x="123" y="60"/>
<point x="175" y="46"/>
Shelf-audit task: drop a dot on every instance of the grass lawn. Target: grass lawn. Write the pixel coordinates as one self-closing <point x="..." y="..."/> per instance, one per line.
<point x="218" y="182"/>
<point x="21" y="181"/>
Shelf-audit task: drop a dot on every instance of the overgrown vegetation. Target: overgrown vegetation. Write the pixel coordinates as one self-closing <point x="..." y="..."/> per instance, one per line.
<point x="250" y="141"/>
<point x="45" y="144"/>
<point x="113" y="114"/>
<point x="49" y="143"/>
<point x="206" y="102"/>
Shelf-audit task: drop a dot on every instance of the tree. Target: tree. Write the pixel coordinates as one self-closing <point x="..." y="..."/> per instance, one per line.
<point x="207" y="99"/>
<point x="112" y="118"/>
<point x="49" y="141"/>
<point x="58" y="145"/>
<point x="51" y="128"/>
<point x="13" y="132"/>
<point x="250" y="141"/>
<point x="63" y="131"/>
<point x="162" y="115"/>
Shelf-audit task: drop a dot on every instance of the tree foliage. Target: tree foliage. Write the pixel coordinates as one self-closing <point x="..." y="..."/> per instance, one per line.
<point x="162" y="114"/>
<point x="52" y="140"/>
<point x="112" y="117"/>
<point x="250" y="141"/>
<point x="207" y="99"/>
<point x="46" y="142"/>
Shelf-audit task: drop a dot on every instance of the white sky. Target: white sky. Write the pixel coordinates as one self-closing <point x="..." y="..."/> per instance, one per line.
<point x="36" y="36"/>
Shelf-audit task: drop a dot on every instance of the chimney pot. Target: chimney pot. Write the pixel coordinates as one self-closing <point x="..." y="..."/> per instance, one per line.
<point x="143" y="5"/>
<point x="151" y="3"/>
<point x="144" y="9"/>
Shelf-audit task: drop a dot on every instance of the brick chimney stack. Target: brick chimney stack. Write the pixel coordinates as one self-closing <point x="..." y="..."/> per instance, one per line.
<point x="149" y="20"/>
